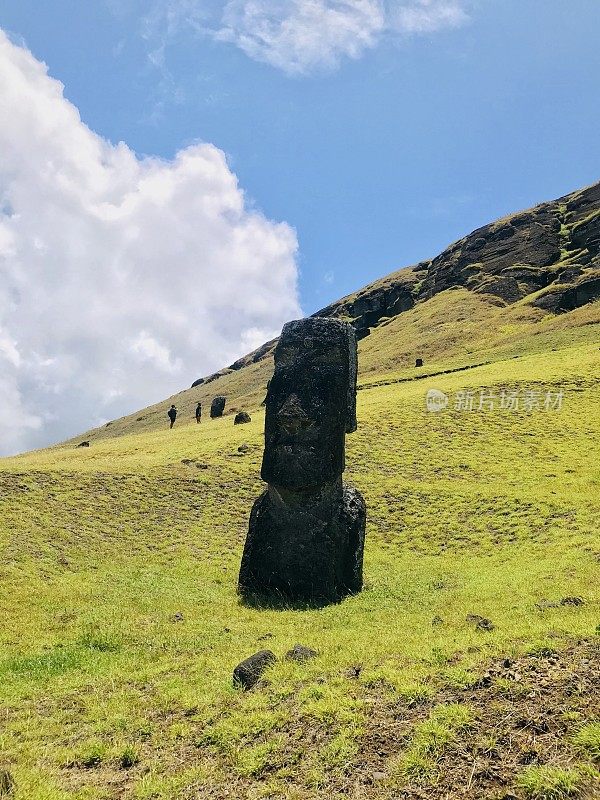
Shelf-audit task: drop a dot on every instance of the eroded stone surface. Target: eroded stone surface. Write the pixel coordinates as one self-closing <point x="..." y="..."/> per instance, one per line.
<point x="217" y="406"/>
<point x="306" y="535"/>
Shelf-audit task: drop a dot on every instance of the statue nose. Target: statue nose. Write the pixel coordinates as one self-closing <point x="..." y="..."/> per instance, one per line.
<point x="292" y="417"/>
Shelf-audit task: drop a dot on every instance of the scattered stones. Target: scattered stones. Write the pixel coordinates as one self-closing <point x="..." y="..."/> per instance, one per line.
<point x="354" y="671"/>
<point x="481" y="623"/>
<point x="248" y="672"/>
<point x="7" y="783"/>
<point x="306" y="535"/>
<point x="83" y="444"/>
<point x="536" y="726"/>
<point x="242" y="417"/>
<point x="571" y="601"/>
<point x="300" y="653"/>
<point x="217" y="406"/>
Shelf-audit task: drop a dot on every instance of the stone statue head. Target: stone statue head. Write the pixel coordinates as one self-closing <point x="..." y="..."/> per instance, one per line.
<point x="311" y="403"/>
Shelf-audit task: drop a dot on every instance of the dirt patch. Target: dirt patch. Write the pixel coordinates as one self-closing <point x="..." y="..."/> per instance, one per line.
<point x="525" y="712"/>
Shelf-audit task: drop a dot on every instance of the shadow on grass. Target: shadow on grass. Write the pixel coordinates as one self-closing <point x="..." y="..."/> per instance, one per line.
<point x="279" y="601"/>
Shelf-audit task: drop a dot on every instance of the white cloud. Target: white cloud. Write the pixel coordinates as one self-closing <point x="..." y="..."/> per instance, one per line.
<point x="121" y="279"/>
<point x="300" y="36"/>
<point x="427" y="16"/>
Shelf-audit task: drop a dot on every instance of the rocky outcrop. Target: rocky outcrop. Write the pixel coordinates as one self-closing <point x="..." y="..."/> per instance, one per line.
<point x="554" y="246"/>
<point x="562" y="297"/>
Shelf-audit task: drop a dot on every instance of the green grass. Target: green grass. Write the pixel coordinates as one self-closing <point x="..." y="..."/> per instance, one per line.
<point x="587" y="739"/>
<point x="429" y="740"/>
<point x="104" y="695"/>
<point x="549" y="783"/>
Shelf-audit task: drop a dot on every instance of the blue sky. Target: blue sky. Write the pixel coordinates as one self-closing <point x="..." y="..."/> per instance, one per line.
<point x="378" y="163"/>
<point x="275" y="155"/>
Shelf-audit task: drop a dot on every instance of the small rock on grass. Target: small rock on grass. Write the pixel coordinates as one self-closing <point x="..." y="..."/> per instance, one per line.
<point x="571" y="601"/>
<point x="481" y="623"/>
<point x="7" y="783"/>
<point x="300" y="653"/>
<point x="248" y="672"/>
<point x="354" y="671"/>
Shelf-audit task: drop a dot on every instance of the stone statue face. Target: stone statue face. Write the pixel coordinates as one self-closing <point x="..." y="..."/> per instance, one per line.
<point x="310" y="404"/>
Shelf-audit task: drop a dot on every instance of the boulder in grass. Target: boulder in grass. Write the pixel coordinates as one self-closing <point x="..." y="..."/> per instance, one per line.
<point x="217" y="407"/>
<point x="249" y="672"/>
<point x="242" y="417"/>
<point x="300" y="653"/>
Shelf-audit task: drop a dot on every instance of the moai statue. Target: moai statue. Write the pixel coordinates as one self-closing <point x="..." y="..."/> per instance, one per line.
<point x="306" y="536"/>
<point x="217" y="406"/>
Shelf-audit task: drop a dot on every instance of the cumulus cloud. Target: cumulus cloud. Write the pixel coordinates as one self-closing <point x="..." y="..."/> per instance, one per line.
<point x="301" y="36"/>
<point x="121" y="279"/>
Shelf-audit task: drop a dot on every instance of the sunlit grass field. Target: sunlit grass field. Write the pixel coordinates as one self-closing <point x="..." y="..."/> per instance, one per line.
<point x="120" y="624"/>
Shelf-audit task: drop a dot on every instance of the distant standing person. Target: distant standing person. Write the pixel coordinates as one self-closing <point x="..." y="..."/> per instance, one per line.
<point x="198" y="412"/>
<point x="172" y="414"/>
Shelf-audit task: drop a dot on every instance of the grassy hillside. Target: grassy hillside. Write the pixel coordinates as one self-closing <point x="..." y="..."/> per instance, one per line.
<point x="455" y="328"/>
<point x="120" y="622"/>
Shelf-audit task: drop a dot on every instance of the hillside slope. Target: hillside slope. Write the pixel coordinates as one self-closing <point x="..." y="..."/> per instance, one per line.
<point x="467" y="667"/>
<point x="519" y="272"/>
<point x="120" y="624"/>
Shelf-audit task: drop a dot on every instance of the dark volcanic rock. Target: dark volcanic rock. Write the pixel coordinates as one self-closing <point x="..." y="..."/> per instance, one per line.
<point x="307" y="548"/>
<point x="217" y="407"/>
<point x="83" y="444"/>
<point x="242" y="417"/>
<point x="300" y="653"/>
<point x="311" y="404"/>
<point x="248" y="672"/>
<point x="567" y="298"/>
<point x="306" y="536"/>
<point x="530" y="239"/>
<point x="197" y="382"/>
<point x="419" y="362"/>
<point x="571" y="601"/>
<point x="481" y="623"/>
